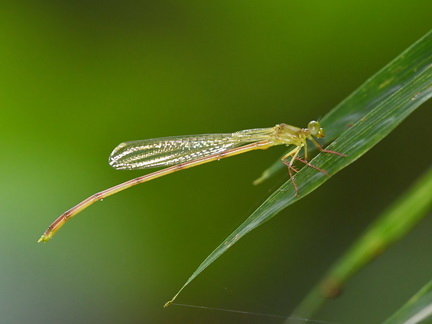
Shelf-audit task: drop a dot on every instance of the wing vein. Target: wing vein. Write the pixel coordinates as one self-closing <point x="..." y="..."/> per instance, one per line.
<point x="166" y="151"/>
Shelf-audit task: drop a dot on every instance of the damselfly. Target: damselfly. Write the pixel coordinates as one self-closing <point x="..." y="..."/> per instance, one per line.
<point x="183" y="152"/>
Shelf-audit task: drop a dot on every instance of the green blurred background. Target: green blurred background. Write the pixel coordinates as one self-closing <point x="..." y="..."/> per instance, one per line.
<point x="79" y="77"/>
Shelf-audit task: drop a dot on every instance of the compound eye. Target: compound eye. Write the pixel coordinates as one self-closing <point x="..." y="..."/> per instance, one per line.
<point x="315" y="128"/>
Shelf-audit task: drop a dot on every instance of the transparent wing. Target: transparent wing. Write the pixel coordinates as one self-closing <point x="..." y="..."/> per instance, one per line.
<point x="166" y="151"/>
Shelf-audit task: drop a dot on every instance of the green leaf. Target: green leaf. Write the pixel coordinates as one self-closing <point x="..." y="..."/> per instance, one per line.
<point x="397" y="74"/>
<point x="358" y="123"/>
<point x="392" y="225"/>
<point x="416" y="310"/>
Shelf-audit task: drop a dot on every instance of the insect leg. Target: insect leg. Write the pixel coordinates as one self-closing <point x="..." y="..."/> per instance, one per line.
<point x="319" y="147"/>
<point x="289" y="164"/>
<point x="312" y="166"/>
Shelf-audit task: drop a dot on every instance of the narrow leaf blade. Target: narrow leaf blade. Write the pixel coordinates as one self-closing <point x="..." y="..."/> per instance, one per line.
<point x="409" y="84"/>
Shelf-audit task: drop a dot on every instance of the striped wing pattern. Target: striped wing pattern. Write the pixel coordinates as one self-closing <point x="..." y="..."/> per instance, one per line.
<point x="166" y="151"/>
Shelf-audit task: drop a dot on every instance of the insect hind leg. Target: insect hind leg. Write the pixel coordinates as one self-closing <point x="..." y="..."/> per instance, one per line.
<point x="312" y="166"/>
<point x="294" y="153"/>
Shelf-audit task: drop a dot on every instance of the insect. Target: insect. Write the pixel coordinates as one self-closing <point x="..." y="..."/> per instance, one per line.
<point x="183" y="152"/>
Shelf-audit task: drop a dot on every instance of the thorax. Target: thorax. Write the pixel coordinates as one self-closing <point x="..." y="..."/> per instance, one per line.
<point x="289" y="135"/>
